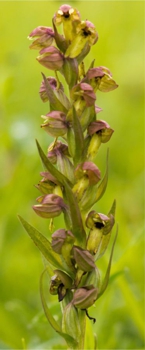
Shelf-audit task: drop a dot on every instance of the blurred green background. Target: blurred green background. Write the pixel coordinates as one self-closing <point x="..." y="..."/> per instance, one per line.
<point x="119" y="313"/>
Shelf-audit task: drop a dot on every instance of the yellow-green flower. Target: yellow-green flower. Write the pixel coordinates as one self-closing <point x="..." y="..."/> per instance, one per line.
<point x="69" y="18"/>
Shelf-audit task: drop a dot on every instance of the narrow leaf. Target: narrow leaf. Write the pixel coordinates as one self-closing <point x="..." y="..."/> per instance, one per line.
<point x="50" y="318"/>
<point x="79" y="138"/>
<point x="72" y="343"/>
<point x="49" y="166"/>
<point x="113" y="208"/>
<point x="44" y="246"/>
<point x="54" y="101"/>
<point x="106" y="279"/>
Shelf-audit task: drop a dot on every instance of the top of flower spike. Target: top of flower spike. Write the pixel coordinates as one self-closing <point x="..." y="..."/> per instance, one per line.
<point x="66" y="12"/>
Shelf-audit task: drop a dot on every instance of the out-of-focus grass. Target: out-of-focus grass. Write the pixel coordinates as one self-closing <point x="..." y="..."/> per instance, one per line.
<point x="119" y="312"/>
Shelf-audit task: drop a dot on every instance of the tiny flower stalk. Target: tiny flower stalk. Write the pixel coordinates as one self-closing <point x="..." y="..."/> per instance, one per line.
<point x="71" y="182"/>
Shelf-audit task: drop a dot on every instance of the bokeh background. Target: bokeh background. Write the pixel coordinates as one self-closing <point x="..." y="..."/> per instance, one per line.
<point x="119" y="313"/>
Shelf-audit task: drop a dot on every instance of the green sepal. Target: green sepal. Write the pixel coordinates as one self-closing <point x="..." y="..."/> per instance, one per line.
<point x="49" y="166"/>
<point x="44" y="246"/>
<point x="79" y="138"/>
<point x="70" y="340"/>
<point x="54" y="101"/>
<point x="106" y="278"/>
<point x="77" y="224"/>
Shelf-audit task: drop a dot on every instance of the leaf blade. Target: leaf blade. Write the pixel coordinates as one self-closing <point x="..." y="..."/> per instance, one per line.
<point x="44" y="246"/>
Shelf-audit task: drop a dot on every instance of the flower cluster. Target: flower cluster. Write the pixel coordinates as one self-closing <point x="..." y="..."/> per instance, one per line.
<point x="72" y="182"/>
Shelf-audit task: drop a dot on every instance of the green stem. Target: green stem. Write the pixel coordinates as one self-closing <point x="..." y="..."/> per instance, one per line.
<point x="82" y="319"/>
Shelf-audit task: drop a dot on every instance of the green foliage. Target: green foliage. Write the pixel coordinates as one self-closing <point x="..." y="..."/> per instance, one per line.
<point x="120" y="47"/>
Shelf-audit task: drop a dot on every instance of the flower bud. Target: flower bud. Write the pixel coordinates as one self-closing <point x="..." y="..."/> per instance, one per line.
<point x="56" y="149"/>
<point x="85" y="92"/>
<point x="55" y="123"/>
<point x="53" y="83"/>
<point x="85" y="297"/>
<point x="50" y="206"/>
<point x="51" y="58"/>
<point x="101" y="78"/>
<point x="58" y="154"/>
<point x="61" y="237"/>
<point x="84" y="259"/>
<point x="43" y="37"/>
